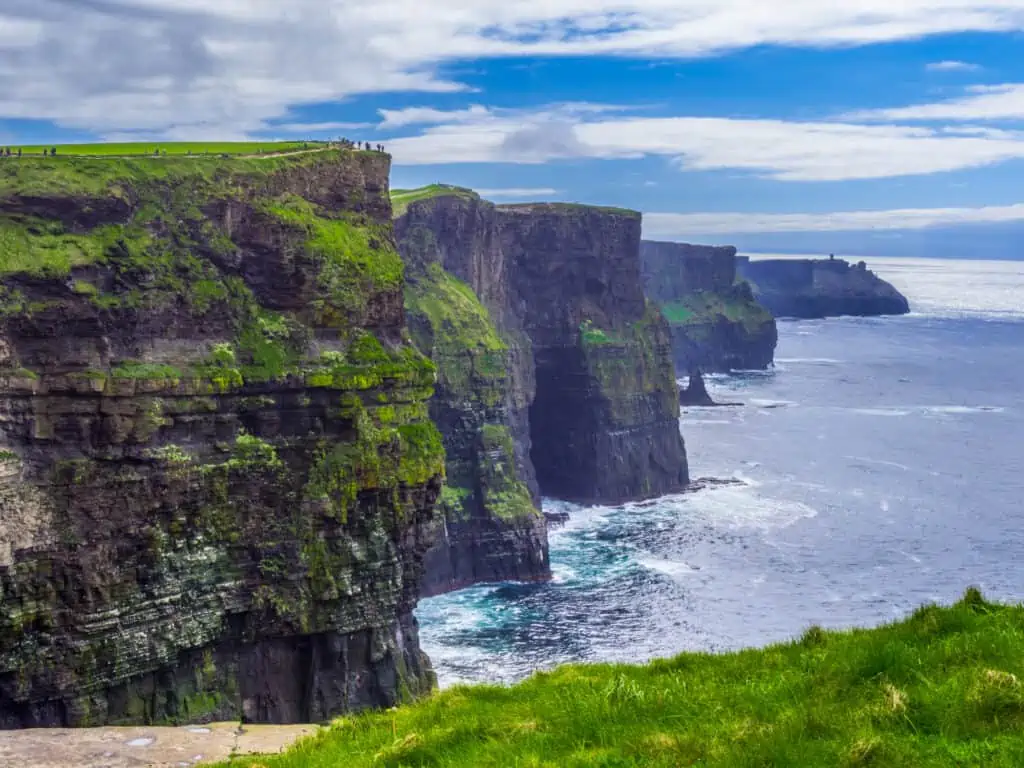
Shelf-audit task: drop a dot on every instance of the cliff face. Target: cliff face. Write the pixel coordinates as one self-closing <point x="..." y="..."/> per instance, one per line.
<point x="592" y="399"/>
<point x="492" y="528"/>
<point x="815" y="288"/>
<point x="217" y="470"/>
<point x="717" y="324"/>
<point x="604" y="421"/>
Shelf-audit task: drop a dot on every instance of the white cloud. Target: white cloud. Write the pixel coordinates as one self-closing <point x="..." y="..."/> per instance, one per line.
<point x="518" y="192"/>
<point x="196" y="67"/>
<point x="952" y="66"/>
<point x="788" y="151"/>
<point x="685" y="224"/>
<point x="311" y="128"/>
<point x="984" y="102"/>
<point x="399" y="118"/>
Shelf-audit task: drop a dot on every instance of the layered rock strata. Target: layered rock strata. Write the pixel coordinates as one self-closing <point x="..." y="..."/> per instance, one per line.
<point x="217" y="470"/>
<point x="492" y="528"/>
<point x="817" y="288"/>
<point x="717" y="323"/>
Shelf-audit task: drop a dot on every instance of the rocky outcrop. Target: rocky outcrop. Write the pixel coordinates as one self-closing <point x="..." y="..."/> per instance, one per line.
<point x="593" y="400"/>
<point x="492" y="529"/>
<point x="217" y="470"/>
<point x="816" y="288"/>
<point x="717" y="324"/>
<point x="604" y="422"/>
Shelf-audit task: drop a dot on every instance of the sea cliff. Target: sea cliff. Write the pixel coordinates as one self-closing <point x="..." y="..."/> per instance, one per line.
<point x="816" y="288"/>
<point x="717" y="324"/>
<point x="218" y="469"/>
<point x="556" y="375"/>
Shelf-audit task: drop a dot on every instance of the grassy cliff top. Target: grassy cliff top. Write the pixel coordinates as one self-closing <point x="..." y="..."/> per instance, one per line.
<point x="135" y="149"/>
<point x="401" y="199"/>
<point x="567" y="208"/>
<point x="942" y="688"/>
<point x="89" y="175"/>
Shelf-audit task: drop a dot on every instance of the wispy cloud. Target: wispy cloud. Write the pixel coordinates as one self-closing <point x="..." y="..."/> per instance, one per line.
<point x="683" y="225"/>
<point x="519" y="192"/>
<point x="982" y="102"/>
<point x="195" y="67"/>
<point x="952" y="66"/>
<point x="312" y="128"/>
<point x="777" y="149"/>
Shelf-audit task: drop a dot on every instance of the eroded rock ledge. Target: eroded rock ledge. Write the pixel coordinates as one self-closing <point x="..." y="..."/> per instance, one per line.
<point x="717" y="324"/>
<point x="217" y="469"/>
<point x="591" y="402"/>
<point x="817" y="288"/>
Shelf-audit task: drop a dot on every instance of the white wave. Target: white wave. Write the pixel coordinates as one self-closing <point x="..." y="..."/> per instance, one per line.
<point x="963" y="409"/>
<point x="868" y="460"/>
<point x="882" y="411"/>
<point x="736" y="507"/>
<point x="562" y="573"/>
<point x="764" y="403"/>
<point x="671" y="568"/>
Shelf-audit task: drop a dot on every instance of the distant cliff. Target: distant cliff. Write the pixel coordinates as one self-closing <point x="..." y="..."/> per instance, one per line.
<point x="492" y="528"/>
<point x="217" y="469"/>
<point x="815" y="288"/>
<point x="593" y="403"/>
<point x="717" y="325"/>
<point x="604" y="422"/>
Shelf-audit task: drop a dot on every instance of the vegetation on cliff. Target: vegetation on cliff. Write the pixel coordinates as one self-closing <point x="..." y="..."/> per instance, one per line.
<point x="401" y="199"/>
<point x="707" y="308"/>
<point x="219" y="435"/>
<point x="942" y="688"/>
<point x="134" y="149"/>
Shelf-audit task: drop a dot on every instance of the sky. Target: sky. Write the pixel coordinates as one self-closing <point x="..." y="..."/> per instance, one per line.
<point x="888" y="127"/>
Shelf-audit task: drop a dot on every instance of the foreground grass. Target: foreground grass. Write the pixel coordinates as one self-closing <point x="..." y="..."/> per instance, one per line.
<point x="942" y="688"/>
<point x="142" y="149"/>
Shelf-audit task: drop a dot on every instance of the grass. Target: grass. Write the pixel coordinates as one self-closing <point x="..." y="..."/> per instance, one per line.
<point x="942" y="688"/>
<point x="569" y="208"/>
<point x="401" y="199"/>
<point x="133" y="149"/>
<point x="709" y="307"/>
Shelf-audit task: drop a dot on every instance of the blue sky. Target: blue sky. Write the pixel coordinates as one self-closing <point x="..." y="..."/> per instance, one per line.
<point x="866" y="127"/>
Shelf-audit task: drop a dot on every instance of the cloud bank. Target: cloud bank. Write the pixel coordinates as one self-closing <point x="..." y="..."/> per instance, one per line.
<point x="195" y="68"/>
<point x="681" y="225"/>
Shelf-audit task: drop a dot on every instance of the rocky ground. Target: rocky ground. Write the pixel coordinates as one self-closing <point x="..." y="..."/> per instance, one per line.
<point x="137" y="747"/>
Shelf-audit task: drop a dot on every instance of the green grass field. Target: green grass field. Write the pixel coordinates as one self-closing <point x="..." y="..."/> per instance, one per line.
<point x="401" y="199"/>
<point x="942" y="688"/>
<point x="171" y="148"/>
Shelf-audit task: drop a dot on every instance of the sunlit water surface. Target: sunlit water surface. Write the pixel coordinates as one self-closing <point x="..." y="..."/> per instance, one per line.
<point x="882" y="464"/>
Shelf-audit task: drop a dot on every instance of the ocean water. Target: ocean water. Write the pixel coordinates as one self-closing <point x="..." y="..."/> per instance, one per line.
<point x="880" y="466"/>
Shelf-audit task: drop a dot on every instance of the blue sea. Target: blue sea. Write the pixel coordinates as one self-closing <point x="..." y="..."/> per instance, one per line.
<point x="880" y="466"/>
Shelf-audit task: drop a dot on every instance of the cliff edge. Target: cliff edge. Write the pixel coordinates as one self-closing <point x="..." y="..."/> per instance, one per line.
<point x="717" y="324"/>
<point x="217" y="470"/>
<point x="491" y="528"/>
<point x="816" y="288"/>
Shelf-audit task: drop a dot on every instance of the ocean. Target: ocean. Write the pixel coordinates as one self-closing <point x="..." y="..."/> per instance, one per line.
<point x="880" y="465"/>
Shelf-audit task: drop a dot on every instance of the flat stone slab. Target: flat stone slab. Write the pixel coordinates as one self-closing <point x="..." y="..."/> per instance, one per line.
<point x="140" y="747"/>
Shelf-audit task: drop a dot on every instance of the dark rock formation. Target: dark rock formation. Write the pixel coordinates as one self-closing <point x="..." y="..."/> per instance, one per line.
<point x="696" y="392"/>
<point x="593" y="396"/>
<point x="816" y="288"/>
<point x="604" y="421"/>
<point x="717" y="325"/>
<point x="217" y="470"/>
<point x="492" y="528"/>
